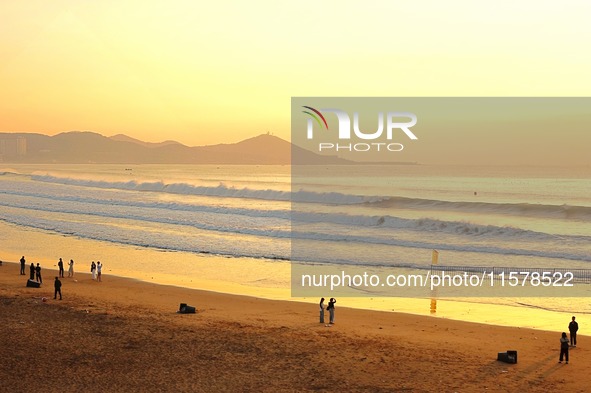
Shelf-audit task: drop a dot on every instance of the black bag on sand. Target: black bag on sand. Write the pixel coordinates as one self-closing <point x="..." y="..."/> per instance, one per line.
<point x="507" y="357"/>
<point x="33" y="283"/>
<point x="185" y="309"/>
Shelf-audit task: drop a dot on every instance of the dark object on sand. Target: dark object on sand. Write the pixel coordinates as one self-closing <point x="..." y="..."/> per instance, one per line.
<point x="33" y="284"/>
<point x="508" y="357"/>
<point x="185" y="309"/>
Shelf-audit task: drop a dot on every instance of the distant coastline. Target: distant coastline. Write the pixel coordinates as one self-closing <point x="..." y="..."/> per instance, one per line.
<point x="83" y="147"/>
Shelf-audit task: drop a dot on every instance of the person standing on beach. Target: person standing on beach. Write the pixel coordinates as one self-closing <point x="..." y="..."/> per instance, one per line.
<point x="32" y="271"/>
<point x="573" y="327"/>
<point x="23" y="265"/>
<point x="563" y="348"/>
<point x="99" y="270"/>
<point x="330" y="309"/>
<point x="38" y="274"/>
<point x="93" y="270"/>
<point x="58" y="288"/>
<point x="71" y="268"/>
<point x="60" y="265"/>
<point x="322" y="310"/>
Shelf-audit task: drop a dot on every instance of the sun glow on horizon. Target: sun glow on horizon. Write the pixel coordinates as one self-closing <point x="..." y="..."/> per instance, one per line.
<point x="205" y="73"/>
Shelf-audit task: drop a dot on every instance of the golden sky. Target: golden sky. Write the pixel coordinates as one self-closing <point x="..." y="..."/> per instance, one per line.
<point x="208" y="72"/>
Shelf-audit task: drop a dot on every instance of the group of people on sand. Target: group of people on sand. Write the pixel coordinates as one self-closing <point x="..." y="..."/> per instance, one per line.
<point x="60" y="266"/>
<point x="329" y="308"/>
<point x="573" y="328"/>
<point x="96" y="269"/>
<point x="35" y="273"/>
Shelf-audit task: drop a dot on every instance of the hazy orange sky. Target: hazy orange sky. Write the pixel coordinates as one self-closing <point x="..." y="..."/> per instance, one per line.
<point x="209" y="72"/>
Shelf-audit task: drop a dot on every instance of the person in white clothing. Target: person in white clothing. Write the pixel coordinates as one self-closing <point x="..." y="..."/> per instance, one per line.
<point x="71" y="269"/>
<point x="99" y="271"/>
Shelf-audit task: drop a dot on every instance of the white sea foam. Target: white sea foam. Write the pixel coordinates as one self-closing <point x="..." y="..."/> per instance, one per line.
<point x="259" y="223"/>
<point x="220" y="191"/>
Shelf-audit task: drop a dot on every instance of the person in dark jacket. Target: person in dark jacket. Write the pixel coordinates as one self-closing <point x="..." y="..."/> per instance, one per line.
<point x="563" y="348"/>
<point x="23" y="265"/>
<point x="330" y="309"/>
<point x="32" y="271"/>
<point x="322" y="310"/>
<point x="573" y="327"/>
<point x="58" y="288"/>
<point x="38" y="274"/>
<point x="60" y="265"/>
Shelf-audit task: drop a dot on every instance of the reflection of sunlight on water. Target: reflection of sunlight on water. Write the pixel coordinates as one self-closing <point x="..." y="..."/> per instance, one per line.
<point x="191" y="270"/>
<point x="495" y="311"/>
<point x="270" y="279"/>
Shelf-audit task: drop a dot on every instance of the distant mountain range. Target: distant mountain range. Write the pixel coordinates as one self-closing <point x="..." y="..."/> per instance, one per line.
<point x="79" y="147"/>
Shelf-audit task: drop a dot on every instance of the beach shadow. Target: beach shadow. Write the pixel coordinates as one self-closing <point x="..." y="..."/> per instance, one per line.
<point x="524" y="372"/>
<point x="537" y="366"/>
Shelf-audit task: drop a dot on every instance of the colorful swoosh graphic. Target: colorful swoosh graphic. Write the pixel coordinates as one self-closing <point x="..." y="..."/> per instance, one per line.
<point x="316" y="112"/>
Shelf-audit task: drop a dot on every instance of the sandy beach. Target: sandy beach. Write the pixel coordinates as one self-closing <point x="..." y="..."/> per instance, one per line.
<point x="125" y="335"/>
<point x="425" y="163"/>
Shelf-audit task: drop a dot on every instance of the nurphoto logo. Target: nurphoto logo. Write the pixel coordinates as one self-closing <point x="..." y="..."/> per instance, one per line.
<point x="395" y="122"/>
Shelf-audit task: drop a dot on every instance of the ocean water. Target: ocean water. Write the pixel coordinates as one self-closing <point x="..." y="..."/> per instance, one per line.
<point x="474" y="216"/>
<point x="522" y="217"/>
